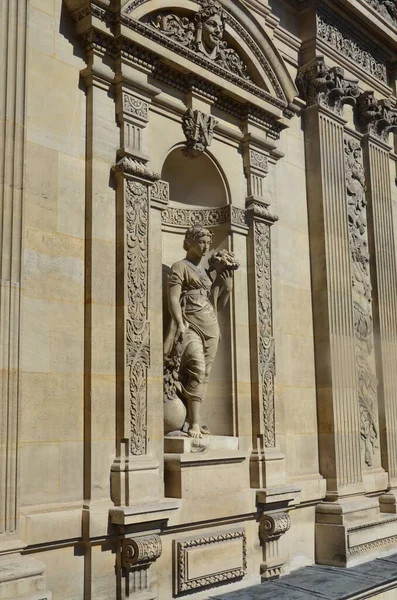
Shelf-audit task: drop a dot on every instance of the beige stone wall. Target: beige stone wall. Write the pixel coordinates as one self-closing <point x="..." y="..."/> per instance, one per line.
<point x="70" y="419"/>
<point x="52" y="342"/>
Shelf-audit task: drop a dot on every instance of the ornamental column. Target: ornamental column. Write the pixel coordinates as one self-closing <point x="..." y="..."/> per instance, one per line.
<point x="378" y="118"/>
<point x="267" y="463"/>
<point x="136" y="474"/>
<point x="342" y="312"/>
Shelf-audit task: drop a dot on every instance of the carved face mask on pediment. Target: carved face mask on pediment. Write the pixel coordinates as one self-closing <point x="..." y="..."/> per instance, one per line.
<point x="232" y="49"/>
<point x="202" y="32"/>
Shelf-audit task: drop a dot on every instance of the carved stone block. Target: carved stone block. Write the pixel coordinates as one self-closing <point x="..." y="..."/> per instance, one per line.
<point x="212" y="559"/>
<point x="140" y="551"/>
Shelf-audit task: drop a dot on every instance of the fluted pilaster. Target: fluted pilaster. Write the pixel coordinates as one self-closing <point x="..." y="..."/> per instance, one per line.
<point x="12" y="133"/>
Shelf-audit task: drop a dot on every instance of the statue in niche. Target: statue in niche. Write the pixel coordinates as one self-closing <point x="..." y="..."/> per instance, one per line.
<point x="194" y="299"/>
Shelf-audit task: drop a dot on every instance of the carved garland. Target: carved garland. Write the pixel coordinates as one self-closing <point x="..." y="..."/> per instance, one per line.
<point x="265" y="338"/>
<point x="230" y="575"/>
<point x="207" y="217"/>
<point x="361" y="287"/>
<point x="137" y="326"/>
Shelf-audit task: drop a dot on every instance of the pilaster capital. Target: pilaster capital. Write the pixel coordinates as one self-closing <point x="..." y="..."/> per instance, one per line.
<point x="130" y="166"/>
<point x="326" y="86"/>
<point x="141" y="551"/>
<point x="258" y="210"/>
<point x="377" y="117"/>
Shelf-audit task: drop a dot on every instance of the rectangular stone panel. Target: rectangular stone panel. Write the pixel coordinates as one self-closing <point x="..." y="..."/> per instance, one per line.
<point x="210" y="559"/>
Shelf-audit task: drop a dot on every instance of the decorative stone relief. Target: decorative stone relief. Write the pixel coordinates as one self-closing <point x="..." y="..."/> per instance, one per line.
<point x="377" y="117"/>
<point x="208" y="217"/>
<point x="132" y="166"/>
<point x="203" y="33"/>
<point x="199" y="130"/>
<point x="258" y="160"/>
<point x="327" y="86"/>
<point x="362" y="302"/>
<point x="195" y="295"/>
<point x="142" y="550"/>
<point x="273" y="526"/>
<point x="267" y="366"/>
<point x="386" y="8"/>
<point x="343" y="39"/>
<point x="135" y="107"/>
<point x="225" y="62"/>
<point x="232" y="551"/>
<point x="160" y="192"/>
<point x="137" y="326"/>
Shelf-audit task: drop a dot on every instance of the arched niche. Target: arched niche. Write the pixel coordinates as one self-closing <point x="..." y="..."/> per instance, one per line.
<point x="197" y="191"/>
<point x="194" y="182"/>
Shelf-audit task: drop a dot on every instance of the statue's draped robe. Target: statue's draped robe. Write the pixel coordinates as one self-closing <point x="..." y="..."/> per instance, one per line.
<point x="201" y="340"/>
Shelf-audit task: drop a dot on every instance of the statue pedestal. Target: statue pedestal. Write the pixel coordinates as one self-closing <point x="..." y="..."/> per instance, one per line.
<point x="181" y="443"/>
<point x="203" y="467"/>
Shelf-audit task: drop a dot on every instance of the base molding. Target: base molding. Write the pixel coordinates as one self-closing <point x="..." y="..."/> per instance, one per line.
<point x="353" y="531"/>
<point x="22" y="578"/>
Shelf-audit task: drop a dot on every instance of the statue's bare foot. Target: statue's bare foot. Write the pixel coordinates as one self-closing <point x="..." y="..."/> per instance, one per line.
<point x="194" y="431"/>
<point x="204" y="429"/>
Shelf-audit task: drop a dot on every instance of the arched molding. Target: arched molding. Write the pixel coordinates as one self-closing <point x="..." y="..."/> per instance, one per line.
<point x="267" y="71"/>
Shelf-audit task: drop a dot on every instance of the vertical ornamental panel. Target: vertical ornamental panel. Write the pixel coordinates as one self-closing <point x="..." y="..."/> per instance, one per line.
<point x="137" y="326"/>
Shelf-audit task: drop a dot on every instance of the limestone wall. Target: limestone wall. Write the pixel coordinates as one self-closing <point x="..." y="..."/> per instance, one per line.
<point x="100" y="498"/>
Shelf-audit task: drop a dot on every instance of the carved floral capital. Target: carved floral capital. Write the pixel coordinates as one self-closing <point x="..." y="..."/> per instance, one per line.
<point x="327" y="86"/>
<point x="377" y="117"/>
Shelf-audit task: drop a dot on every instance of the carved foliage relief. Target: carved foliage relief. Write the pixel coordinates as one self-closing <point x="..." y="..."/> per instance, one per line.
<point x="202" y="33"/>
<point x="355" y="50"/>
<point x="137" y="326"/>
<point x="362" y="307"/>
<point x="265" y="338"/>
<point x="327" y="86"/>
<point x="386" y="8"/>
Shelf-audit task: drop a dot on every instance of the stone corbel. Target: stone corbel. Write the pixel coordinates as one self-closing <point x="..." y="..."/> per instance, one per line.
<point x="377" y="117"/>
<point x="271" y="528"/>
<point x="140" y="552"/>
<point x="327" y="86"/>
<point x="137" y="556"/>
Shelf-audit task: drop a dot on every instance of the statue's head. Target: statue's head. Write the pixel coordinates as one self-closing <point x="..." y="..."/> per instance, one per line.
<point x="199" y="238"/>
<point x="211" y="25"/>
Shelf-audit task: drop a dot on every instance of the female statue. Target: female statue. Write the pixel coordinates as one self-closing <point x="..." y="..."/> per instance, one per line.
<point x="194" y="299"/>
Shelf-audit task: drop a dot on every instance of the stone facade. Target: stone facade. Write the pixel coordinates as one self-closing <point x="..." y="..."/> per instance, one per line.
<point x="270" y="125"/>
